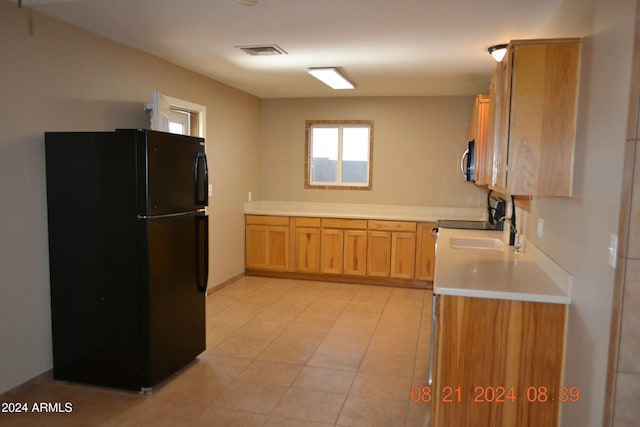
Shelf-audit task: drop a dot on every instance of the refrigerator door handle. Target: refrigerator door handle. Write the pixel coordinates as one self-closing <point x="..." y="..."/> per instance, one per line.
<point x="202" y="252"/>
<point x="201" y="179"/>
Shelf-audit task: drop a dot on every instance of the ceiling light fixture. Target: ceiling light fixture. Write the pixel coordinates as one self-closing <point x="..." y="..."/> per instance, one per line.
<point x="498" y="51"/>
<point x="331" y="77"/>
<point x="248" y="2"/>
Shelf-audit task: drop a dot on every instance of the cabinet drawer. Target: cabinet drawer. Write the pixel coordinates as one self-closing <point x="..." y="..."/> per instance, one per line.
<point x="267" y="220"/>
<point x="392" y="225"/>
<point x="354" y="224"/>
<point x="307" y="222"/>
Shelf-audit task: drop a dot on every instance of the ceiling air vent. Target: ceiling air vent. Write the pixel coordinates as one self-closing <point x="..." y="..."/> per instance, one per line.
<point x="263" y="50"/>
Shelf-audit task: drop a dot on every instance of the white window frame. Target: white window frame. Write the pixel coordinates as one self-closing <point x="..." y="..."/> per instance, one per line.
<point x="182" y="118"/>
<point x="340" y="124"/>
<point x="161" y="106"/>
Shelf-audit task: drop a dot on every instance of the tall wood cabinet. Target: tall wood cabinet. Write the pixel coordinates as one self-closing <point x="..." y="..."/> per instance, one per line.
<point x="532" y="119"/>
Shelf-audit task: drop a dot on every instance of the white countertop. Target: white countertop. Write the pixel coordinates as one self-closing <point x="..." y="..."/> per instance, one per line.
<point x="364" y="211"/>
<point x="494" y="274"/>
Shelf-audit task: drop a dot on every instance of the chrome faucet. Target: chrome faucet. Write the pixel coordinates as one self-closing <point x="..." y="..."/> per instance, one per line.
<point x="517" y="244"/>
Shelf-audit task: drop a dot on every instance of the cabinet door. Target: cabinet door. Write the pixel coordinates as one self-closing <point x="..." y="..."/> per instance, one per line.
<point x="403" y="255"/>
<point x="307" y="250"/>
<point x="267" y="247"/>
<point x="355" y="252"/>
<point x="478" y="128"/>
<point x="255" y="246"/>
<point x="378" y="253"/>
<point x="331" y="246"/>
<point x="500" y="141"/>
<point x="491" y="128"/>
<point x="425" y="251"/>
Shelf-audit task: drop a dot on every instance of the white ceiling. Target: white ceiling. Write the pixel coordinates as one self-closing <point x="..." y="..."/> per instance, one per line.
<point x="386" y="47"/>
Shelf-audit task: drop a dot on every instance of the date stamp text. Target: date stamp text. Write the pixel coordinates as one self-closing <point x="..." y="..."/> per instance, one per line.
<point x="495" y="394"/>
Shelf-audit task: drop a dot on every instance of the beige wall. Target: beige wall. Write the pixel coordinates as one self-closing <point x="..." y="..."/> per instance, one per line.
<point x="416" y="156"/>
<point x="623" y="386"/>
<point x="61" y="78"/>
<point x="577" y="230"/>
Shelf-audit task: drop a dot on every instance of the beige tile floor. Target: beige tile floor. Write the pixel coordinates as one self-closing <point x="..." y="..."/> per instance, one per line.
<point x="279" y="353"/>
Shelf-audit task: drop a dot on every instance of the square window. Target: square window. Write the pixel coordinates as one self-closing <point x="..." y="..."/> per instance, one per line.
<point x="338" y="154"/>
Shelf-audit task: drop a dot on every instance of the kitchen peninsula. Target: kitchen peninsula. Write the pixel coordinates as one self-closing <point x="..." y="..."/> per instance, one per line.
<point x="498" y="333"/>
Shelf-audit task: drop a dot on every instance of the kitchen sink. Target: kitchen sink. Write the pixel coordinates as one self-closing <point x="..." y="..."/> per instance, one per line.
<point x="477" y="243"/>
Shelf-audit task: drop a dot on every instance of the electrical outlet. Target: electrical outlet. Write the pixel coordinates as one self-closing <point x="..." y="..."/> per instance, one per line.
<point x="210" y="190"/>
<point x="540" y="231"/>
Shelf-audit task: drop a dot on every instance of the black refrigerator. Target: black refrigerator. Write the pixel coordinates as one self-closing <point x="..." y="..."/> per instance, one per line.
<point x="128" y="254"/>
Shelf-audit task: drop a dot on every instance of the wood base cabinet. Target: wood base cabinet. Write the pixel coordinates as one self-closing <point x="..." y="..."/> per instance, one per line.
<point x="391" y="249"/>
<point x="397" y="253"/>
<point x="267" y="243"/>
<point x="343" y="246"/>
<point x="498" y="363"/>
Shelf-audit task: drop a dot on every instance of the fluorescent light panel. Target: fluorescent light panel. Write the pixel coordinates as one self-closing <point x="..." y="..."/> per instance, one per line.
<point x="331" y="77"/>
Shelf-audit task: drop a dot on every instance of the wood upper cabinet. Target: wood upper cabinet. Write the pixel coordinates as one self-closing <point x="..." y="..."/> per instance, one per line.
<point x="425" y="251"/>
<point x="499" y="363"/>
<point x="391" y="253"/>
<point x="267" y="242"/>
<point x="477" y="132"/>
<point x="307" y="245"/>
<point x="533" y="130"/>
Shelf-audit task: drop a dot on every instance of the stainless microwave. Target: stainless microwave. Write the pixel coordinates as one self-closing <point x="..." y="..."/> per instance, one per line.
<point x="467" y="164"/>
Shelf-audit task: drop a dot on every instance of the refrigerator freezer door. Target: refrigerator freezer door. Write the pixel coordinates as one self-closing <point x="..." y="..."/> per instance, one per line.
<point x="176" y="303"/>
<point x="173" y="172"/>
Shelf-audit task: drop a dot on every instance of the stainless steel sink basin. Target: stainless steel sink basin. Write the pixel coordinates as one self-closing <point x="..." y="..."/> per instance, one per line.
<point x="477" y="243"/>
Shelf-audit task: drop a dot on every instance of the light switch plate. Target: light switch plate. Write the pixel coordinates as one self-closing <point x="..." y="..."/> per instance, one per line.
<point x="540" y="231"/>
<point x="613" y="250"/>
